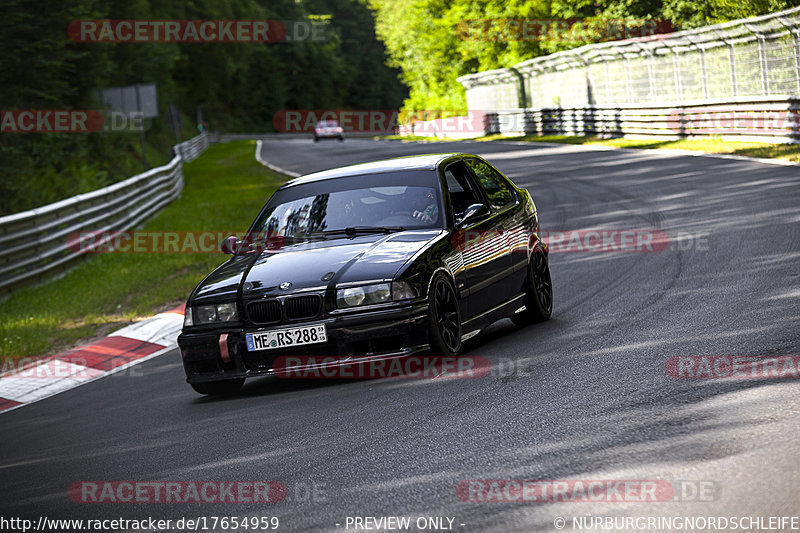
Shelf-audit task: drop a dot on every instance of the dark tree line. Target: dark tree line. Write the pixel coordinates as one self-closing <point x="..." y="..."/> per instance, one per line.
<point x="240" y="86"/>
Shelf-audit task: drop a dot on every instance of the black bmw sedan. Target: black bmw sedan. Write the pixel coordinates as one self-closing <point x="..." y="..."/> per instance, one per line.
<point x="377" y="260"/>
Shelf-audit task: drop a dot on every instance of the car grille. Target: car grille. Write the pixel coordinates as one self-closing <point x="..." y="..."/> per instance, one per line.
<point x="303" y="306"/>
<point x="293" y="308"/>
<point x="265" y="311"/>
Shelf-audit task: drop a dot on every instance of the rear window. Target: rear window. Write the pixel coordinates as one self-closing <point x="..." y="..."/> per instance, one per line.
<point x="498" y="190"/>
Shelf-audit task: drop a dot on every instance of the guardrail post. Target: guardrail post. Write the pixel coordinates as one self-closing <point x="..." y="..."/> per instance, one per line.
<point x="677" y="73"/>
<point x="628" y="90"/>
<point x="732" y="56"/>
<point x="522" y="98"/>
<point x="795" y="51"/>
<point x="762" y="56"/>
<point x="762" y="59"/>
<point x="796" y="41"/>
<point x="703" y="72"/>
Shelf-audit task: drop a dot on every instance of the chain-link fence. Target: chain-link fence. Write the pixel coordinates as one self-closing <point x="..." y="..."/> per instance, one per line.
<point x="748" y="61"/>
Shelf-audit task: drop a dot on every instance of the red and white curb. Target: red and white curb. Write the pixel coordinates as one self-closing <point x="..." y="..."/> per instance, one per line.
<point x="34" y="379"/>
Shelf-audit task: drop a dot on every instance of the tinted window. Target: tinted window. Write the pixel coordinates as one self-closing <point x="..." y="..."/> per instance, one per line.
<point x="462" y="194"/>
<point x="367" y="200"/>
<point x="497" y="188"/>
<point x="375" y="206"/>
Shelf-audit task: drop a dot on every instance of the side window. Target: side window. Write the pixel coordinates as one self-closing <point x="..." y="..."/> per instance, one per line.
<point x="497" y="188"/>
<point x="462" y="192"/>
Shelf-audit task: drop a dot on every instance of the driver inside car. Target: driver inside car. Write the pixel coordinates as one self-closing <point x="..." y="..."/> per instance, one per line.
<point x="423" y="200"/>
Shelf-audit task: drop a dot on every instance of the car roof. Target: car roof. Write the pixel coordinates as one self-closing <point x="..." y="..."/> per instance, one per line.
<point x="397" y="164"/>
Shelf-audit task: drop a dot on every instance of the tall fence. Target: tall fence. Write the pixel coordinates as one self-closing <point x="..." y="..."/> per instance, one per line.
<point x="37" y="243"/>
<point x="738" y="78"/>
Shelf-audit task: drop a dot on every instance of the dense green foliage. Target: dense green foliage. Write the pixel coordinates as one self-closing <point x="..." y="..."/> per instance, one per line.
<point x="241" y="85"/>
<point x="432" y="44"/>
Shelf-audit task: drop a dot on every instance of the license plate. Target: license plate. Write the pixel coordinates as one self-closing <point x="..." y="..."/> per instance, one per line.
<point x="284" y="338"/>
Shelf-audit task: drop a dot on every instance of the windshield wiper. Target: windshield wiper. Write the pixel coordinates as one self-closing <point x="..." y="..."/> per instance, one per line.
<point x="361" y="230"/>
<point x="281" y="241"/>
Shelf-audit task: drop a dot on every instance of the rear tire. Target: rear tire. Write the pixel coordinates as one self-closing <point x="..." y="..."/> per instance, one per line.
<point x="444" y="318"/>
<point x="538" y="291"/>
<point x="218" y="388"/>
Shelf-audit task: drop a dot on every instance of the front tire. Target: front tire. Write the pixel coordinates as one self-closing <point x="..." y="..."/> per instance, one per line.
<point x="538" y="291"/>
<point x="444" y="330"/>
<point x="218" y="388"/>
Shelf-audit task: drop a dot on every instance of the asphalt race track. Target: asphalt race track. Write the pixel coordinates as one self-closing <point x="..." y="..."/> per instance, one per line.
<point x="585" y="396"/>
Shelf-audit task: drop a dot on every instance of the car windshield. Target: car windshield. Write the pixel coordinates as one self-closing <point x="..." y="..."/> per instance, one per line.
<point x="350" y="205"/>
<point x="327" y="124"/>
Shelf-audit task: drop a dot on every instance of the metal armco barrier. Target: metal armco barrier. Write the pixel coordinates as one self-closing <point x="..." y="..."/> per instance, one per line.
<point x="37" y="243"/>
<point x="191" y="149"/>
<point x="765" y="119"/>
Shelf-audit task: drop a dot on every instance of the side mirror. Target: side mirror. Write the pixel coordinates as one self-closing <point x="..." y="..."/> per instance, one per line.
<point x="472" y="213"/>
<point x="230" y="245"/>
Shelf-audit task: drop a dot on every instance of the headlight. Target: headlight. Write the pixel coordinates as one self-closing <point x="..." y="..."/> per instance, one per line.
<point x="208" y="314"/>
<point x="352" y="296"/>
<point x="226" y="312"/>
<point x="403" y="290"/>
<point x="364" y="295"/>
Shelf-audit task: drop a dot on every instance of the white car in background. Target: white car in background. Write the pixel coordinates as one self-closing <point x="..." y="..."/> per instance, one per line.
<point x="328" y="129"/>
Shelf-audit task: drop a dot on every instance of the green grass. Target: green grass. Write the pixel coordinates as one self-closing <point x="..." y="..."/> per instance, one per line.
<point x="224" y="190"/>
<point x="712" y="145"/>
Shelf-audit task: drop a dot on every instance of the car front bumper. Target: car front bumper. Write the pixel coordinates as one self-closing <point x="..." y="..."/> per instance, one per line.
<point x="385" y="333"/>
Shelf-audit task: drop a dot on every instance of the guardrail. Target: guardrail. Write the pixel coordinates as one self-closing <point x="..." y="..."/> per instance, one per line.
<point x="35" y="244"/>
<point x="751" y="119"/>
<point x="191" y="149"/>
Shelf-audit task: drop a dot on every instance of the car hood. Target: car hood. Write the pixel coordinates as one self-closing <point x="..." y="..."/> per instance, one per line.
<point x="304" y="265"/>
